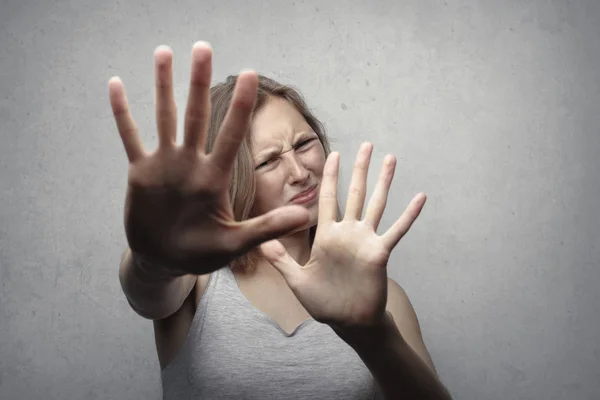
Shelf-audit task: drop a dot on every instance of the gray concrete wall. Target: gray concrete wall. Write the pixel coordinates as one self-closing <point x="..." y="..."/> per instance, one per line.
<point x="492" y="109"/>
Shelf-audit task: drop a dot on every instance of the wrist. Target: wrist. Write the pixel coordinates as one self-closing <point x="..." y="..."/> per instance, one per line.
<point x="372" y="335"/>
<point x="150" y="269"/>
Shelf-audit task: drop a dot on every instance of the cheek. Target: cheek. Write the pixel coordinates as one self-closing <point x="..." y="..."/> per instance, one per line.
<point x="260" y="205"/>
<point x="317" y="161"/>
<point x="268" y="190"/>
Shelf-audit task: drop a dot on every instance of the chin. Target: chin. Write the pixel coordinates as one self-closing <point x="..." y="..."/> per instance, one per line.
<point x="312" y="221"/>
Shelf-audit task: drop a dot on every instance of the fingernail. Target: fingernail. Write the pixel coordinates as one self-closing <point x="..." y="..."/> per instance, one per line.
<point x="202" y="43"/>
<point x="162" y="47"/>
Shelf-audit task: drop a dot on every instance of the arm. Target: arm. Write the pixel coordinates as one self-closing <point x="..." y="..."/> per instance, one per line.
<point x="395" y="354"/>
<point x="151" y="292"/>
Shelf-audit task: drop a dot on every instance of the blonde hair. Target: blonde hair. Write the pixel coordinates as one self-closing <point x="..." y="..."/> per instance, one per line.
<point x="242" y="187"/>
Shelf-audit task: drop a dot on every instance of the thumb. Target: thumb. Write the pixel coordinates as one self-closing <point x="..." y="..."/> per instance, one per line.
<point x="278" y="256"/>
<point x="275" y="223"/>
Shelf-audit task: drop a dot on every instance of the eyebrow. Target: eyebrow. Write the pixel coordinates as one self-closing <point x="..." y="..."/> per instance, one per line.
<point x="268" y="154"/>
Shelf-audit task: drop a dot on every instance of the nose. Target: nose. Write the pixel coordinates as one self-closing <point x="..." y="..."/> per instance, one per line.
<point x="298" y="173"/>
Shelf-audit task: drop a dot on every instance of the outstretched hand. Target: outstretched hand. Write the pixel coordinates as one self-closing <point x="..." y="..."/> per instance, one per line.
<point x="344" y="283"/>
<point x="177" y="210"/>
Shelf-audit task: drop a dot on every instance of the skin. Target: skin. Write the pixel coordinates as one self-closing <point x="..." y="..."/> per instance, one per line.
<point x="342" y="280"/>
<point x="348" y="258"/>
<point x="288" y="159"/>
<point x="177" y="209"/>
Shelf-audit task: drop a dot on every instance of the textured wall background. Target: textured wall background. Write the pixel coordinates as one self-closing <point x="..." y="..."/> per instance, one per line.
<point x="491" y="108"/>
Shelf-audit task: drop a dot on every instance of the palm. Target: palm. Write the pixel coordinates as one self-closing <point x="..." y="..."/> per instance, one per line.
<point x="344" y="282"/>
<point x="177" y="209"/>
<point x="192" y="209"/>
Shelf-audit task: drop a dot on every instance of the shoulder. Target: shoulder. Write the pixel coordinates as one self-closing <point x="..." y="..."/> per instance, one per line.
<point x="201" y="284"/>
<point x="405" y="317"/>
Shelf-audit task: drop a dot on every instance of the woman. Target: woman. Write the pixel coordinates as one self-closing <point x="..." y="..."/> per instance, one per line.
<point x="249" y="296"/>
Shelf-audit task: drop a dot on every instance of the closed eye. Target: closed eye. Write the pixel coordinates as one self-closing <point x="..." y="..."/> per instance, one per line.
<point x="305" y="142"/>
<point x="264" y="164"/>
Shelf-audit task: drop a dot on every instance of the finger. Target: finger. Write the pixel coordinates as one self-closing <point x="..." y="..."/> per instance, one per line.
<point x="278" y="256"/>
<point x="125" y="124"/>
<point x="378" y="200"/>
<point x="166" y="110"/>
<point x="197" y="114"/>
<point x="403" y="224"/>
<point x="358" y="184"/>
<point x="272" y="225"/>
<point x="328" y="193"/>
<point x="236" y="123"/>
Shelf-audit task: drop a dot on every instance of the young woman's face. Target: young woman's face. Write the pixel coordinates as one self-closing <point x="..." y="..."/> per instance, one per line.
<point x="288" y="159"/>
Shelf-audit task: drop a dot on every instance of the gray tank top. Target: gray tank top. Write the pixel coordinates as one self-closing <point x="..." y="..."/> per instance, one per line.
<point x="235" y="351"/>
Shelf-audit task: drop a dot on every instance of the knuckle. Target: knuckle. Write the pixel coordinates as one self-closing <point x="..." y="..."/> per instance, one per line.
<point x="128" y="131"/>
<point x="327" y="195"/>
<point x="355" y="190"/>
<point x="166" y="111"/>
<point x="195" y="116"/>
<point x="360" y="166"/>
<point x="241" y="104"/>
<point x="199" y="82"/>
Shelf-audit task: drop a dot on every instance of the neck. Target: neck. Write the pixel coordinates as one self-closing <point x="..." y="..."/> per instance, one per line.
<point x="298" y="246"/>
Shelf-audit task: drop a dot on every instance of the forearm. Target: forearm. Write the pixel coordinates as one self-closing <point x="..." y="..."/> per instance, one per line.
<point x="153" y="293"/>
<point x="398" y="370"/>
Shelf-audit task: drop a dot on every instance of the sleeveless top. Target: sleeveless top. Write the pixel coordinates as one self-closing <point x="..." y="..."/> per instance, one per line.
<point x="235" y="351"/>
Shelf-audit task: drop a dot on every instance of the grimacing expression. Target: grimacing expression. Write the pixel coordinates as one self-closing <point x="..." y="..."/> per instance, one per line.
<point x="288" y="158"/>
